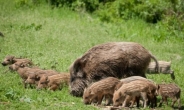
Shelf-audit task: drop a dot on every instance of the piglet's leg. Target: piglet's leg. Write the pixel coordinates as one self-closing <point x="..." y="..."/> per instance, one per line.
<point x="144" y="96"/>
<point x="53" y="87"/>
<point x="173" y="101"/>
<point x="179" y="103"/>
<point x="100" y="97"/>
<point x="124" y="102"/>
<point x="161" y="101"/>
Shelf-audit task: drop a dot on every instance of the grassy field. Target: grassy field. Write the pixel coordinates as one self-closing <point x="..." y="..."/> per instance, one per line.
<point x="56" y="37"/>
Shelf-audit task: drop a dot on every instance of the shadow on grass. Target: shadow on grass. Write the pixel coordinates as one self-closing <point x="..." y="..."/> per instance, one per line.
<point x="176" y="108"/>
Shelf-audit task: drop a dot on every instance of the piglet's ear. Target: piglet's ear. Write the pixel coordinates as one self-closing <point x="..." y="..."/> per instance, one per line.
<point x="92" y="93"/>
<point x="158" y="87"/>
<point x="36" y="75"/>
<point x="47" y="79"/>
<point x="22" y="64"/>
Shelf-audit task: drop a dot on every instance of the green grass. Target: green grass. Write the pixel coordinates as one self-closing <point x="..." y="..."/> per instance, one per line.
<point x="56" y="37"/>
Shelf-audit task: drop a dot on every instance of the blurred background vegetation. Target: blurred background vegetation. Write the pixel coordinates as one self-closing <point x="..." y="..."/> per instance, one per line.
<point x="169" y="13"/>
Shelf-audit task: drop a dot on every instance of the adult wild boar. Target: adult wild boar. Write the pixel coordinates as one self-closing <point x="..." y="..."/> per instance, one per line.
<point x="115" y="59"/>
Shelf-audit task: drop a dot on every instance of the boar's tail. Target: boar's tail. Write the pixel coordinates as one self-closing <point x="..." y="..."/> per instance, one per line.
<point x="157" y="65"/>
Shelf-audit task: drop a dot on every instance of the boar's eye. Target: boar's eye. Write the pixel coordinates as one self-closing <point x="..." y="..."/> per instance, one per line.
<point x="117" y="100"/>
<point x="86" y="97"/>
<point x="42" y="82"/>
<point x="71" y="79"/>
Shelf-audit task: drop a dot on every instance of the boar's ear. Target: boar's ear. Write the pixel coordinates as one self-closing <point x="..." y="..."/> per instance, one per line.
<point x="78" y="65"/>
<point x="158" y="87"/>
<point x="36" y="75"/>
<point x="47" y="79"/>
<point x="92" y="93"/>
<point x="22" y="64"/>
<point x="13" y="59"/>
<point x="126" y="92"/>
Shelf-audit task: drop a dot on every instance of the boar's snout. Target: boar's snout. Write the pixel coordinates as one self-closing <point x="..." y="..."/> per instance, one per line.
<point x="4" y="64"/>
<point x="86" y="102"/>
<point x="38" y="88"/>
<point x="76" y="93"/>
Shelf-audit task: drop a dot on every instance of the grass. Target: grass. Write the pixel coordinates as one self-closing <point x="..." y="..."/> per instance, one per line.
<point x="56" y="37"/>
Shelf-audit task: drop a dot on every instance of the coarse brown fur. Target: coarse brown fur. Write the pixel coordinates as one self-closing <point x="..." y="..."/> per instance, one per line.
<point x="12" y="59"/>
<point x="99" y="89"/>
<point x="43" y="82"/>
<point x="58" y="81"/>
<point x="22" y="70"/>
<point x="113" y="59"/>
<point x="137" y="88"/>
<point x="164" y="67"/>
<point x="151" y="98"/>
<point x="169" y="91"/>
<point x="36" y="75"/>
<point x="127" y="80"/>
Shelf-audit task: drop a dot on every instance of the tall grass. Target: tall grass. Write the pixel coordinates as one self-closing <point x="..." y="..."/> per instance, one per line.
<point x="56" y="37"/>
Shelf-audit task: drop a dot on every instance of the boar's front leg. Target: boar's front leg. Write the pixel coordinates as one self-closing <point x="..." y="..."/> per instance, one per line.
<point x="54" y="87"/>
<point x="126" y="101"/>
<point x="145" y="99"/>
<point x="100" y="97"/>
<point x="173" y="101"/>
<point x="164" y="98"/>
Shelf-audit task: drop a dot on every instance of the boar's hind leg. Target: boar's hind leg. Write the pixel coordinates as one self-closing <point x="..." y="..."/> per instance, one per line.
<point x="179" y="103"/>
<point x="173" y="101"/>
<point x="163" y="99"/>
<point x="108" y="99"/>
<point x="25" y="84"/>
<point x="145" y="99"/>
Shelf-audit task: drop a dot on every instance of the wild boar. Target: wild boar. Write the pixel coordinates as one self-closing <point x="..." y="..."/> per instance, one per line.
<point x="42" y="83"/>
<point x="164" y="67"/>
<point x="113" y="59"/>
<point x="151" y="99"/>
<point x="36" y="75"/>
<point x="98" y="89"/>
<point x="137" y="88"/>
<point x="58" y="81"/>
<point x="22" y="70"/>
<point x="129" y="79"/>
<point x="169" y="91"/>
<point x="12" y="59"/>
